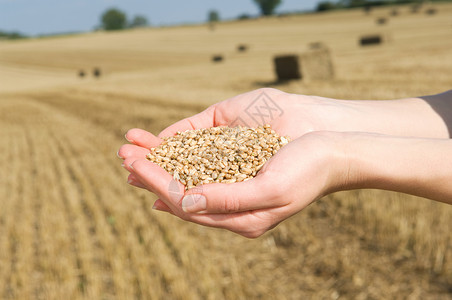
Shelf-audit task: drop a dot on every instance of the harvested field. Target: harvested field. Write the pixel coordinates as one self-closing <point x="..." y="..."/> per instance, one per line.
<point x="71" y="228"/>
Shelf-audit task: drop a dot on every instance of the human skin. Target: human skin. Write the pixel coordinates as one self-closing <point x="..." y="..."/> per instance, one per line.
<point x="336" y="145"/>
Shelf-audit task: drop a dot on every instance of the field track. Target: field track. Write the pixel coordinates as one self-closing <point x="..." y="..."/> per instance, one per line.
<point x="71" y="228"/>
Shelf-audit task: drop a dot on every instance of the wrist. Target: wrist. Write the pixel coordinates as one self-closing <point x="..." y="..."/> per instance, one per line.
<point x="355" y="161"/>
<point x="335" y="161"/>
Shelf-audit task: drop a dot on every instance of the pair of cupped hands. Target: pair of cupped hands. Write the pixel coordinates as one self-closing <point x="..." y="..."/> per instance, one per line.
<point x="311" y="166"/>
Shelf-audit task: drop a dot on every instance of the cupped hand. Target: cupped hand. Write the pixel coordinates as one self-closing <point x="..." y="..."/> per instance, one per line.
<point x="292" y="179"/>
<point x="263" y="106"/>
<point x="298" y="174"/>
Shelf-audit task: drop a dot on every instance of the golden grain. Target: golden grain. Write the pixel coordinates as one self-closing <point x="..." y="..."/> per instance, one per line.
<point x="238" y="153"/>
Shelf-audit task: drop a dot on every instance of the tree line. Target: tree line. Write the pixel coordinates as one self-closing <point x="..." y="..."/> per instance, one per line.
<point x="11" y="35"/>
<point x="115" y="19"/>
<point x="344" y="4"/>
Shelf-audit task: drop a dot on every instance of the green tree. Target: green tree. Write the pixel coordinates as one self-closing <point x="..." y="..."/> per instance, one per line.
<point x="244" y="16"/>
<point x="325" y="5"/>
<point x="139" y="21"/>
<point x="267" y="7"/>
<point x="213" y="16"/>
<point x="114" y="19"/>
<point x="353" y="3"/>
<point x="11" y="35"/>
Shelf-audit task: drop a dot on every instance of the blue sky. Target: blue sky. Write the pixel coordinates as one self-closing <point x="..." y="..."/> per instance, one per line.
<point x="34" y="17"/>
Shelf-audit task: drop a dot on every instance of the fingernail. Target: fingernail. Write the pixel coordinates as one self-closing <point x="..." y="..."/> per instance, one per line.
<point x="117" y="153"/>
<point x="129" y="181"/>
<point x="194" y="203"/>
<point x="155" y="207"/>
<point x="125" y="136"/>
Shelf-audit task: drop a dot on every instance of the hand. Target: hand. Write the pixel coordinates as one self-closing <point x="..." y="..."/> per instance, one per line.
<point x="298" y="174"/>
<point x="303" y="167"/>
<point x="270" y="106"/>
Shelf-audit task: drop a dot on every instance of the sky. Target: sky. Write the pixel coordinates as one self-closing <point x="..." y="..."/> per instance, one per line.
<point x="35" y="17"/>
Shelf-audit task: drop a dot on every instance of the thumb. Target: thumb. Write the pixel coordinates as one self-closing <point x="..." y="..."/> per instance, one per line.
<point x="231" y="198"/>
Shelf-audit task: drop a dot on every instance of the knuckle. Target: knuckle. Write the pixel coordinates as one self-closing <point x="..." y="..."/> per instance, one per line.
<point x="231" y="204"/>
<point x="138" y="166"/>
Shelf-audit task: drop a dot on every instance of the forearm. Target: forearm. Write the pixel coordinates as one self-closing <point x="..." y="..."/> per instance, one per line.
<point x="429" y="116"/>
<point x="421" y="167"/>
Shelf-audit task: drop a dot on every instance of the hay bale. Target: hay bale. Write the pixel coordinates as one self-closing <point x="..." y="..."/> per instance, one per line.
<point x="381" y="21"/>
<point x="317" y="65"/>
<point x="415" y="8"/>
<point x="217" y="58"/>
<point x="317" y="45"/>
<point x="287" y="67"/>
<point x="242" y="48"/>
<point x="311" y="65"/>
<point x="81" y="73"/>
<point x="431" y="11"/>
<point x="395" y="12"/>
<point x="371" y="40"/>
<point x="97" y="72"/>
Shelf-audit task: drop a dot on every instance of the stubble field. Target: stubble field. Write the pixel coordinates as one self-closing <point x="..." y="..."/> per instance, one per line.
<point x="71" y="228"/>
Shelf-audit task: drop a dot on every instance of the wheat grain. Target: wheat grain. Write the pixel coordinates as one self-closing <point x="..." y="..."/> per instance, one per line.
<point x="218" y="154"/>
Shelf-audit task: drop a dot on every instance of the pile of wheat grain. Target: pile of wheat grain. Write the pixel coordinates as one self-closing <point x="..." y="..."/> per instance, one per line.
<point x="217" y="154"/>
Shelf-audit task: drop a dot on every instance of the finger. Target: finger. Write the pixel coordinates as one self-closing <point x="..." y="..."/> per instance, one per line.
<point x="127" y="163"/>
<point x="204" y="119"/>
<point x="253" y="194"/>
<point x="160" y="182"/>
<point x="132" y="180"/>
<point x="142" y="138"/>
<point x="127" y="151"/>
<point x="248" y="224"/>
<point x="161" y="206"/>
